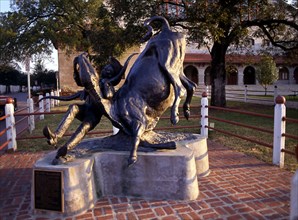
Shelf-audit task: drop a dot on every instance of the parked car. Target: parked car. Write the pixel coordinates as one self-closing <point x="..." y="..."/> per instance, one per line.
<point x="5" y="100"/>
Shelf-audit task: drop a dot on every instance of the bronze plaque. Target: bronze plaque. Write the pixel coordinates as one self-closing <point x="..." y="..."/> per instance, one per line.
<point x="48" y="190"/>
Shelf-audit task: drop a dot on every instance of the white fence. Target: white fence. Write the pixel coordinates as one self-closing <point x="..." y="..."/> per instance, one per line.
<point x="44" y="106"/>
<point x="14" y="89"/>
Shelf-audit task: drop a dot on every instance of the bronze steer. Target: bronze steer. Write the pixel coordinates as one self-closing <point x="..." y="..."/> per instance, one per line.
<point x="153" y="84"/>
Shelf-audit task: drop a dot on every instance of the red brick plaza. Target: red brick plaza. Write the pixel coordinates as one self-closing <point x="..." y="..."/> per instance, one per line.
<point x="238" y="187"/>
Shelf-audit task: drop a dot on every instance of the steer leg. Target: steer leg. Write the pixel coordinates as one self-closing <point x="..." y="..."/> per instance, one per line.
<point x="138" y="129"/>
<point x="190" y="89"/>
<point x="169" y="58"/>
<point x="167" y="64"/>
<point x="175" y="106"/>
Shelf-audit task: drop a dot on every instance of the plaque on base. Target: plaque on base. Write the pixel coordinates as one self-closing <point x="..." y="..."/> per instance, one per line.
<point x="48" y="190"/>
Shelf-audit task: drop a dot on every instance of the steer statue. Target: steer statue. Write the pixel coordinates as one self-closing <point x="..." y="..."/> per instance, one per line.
<point x="153" y="84"/>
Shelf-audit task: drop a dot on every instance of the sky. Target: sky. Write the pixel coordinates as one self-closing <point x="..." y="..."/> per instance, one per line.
<point x="50" y="64"/>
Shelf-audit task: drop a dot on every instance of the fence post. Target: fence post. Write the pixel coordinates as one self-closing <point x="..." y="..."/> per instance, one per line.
<point x="31" y="122"/>
<point x="204" y="115"/>
<point x="41" y="107"/>
<point x="48" y="103"/>
<point x="52" y="100"/>
<point x="10" y="122"/>
<point x="207" y="90"/>
<point x="245" y="94"/>
<point x="275" y="93"/>
<point x="279" y="130"/>
<point x="56" y="93"/>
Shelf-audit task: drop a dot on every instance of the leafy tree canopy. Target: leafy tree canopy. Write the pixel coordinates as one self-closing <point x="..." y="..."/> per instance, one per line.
<point x="266" y="71"/>
<point x="35" y="25"/>
<point x="43" y="77"/>
<point x="10" y="76"/>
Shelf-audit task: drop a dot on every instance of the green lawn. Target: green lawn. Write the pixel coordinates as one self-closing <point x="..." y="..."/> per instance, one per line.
<point x="261" y="152"/>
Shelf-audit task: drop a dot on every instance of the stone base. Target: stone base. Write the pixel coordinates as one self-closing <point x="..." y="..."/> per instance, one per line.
<point x="294" y="197"/>
<point x="158" y="174"/>
<point x="199" y="147"/>
<point x="78" y="186"/>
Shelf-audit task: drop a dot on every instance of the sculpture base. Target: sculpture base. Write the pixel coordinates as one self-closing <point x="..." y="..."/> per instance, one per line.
<point x="158" y="174"/>
<point x="78" y="189"/>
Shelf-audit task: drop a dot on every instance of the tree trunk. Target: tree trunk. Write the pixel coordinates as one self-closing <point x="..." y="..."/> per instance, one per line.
<point x="218" y="75"/>
<point x="7" y="89"/>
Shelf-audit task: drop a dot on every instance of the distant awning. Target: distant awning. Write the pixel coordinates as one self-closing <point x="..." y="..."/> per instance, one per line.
<point x="233" y="59"/>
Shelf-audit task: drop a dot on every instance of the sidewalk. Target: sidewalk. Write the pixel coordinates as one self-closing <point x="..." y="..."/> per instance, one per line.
<point x="238" y="187"/>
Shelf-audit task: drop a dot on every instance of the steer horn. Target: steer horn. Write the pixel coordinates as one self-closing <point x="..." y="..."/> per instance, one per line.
<point x="165" y="27"/>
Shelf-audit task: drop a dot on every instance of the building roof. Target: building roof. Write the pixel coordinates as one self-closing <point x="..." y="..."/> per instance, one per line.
<point x="230" y="58"/>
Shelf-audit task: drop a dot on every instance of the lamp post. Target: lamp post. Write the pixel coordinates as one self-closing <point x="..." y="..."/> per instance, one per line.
<point x="27" y="68"/>
<point x="30" y="104"/>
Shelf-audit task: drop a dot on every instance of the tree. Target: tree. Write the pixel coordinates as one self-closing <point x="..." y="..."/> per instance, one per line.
<point x="35" y="25"/>
<point x="9" y="76"/>
<point x="266" y="71"/>
<point x="219" y="25"/>
<point x="43" y="77"/>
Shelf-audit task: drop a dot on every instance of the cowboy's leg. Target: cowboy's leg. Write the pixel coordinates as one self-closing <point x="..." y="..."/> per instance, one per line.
<point x="71" y="114"/>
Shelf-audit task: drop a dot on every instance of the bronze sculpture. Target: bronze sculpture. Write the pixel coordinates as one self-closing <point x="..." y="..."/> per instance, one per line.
<point x="153" y="84"/>
<point x="86" y="112"/>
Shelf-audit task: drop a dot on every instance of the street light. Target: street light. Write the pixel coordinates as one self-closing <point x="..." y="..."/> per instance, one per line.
<point x="27" y="68"/>
<point x="31" y="122"/>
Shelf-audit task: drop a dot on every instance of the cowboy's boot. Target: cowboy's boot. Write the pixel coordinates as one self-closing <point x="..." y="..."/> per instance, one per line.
<point x="52" y="137"/>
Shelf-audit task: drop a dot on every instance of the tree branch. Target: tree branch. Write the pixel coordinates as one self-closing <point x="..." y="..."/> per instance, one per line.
<point x="271" y="23"/>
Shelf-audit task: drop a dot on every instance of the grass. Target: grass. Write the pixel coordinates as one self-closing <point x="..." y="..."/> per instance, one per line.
<point x="258" y="151"/>
<point x="250" y="148"/>
<point x="292" y="98"/>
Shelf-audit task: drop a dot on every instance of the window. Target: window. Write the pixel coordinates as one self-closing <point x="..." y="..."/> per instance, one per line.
<point x="283" y="73"/>
<point x="265" y="43"/>
<point x="172" y="8"/>
<point x="250" y="42"/>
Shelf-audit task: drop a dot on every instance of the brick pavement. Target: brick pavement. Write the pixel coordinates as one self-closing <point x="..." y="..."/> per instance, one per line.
<point x="239" y="187"/>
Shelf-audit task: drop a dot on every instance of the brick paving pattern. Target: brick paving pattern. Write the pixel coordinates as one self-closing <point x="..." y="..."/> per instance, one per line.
<point x="238" y="187"/>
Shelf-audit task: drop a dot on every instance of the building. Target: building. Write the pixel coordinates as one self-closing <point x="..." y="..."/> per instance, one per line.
<point x="197" y="68"/>
<point x="65" y="67"/>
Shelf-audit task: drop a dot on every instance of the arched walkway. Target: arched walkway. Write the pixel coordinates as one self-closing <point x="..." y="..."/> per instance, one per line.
<point x="283" y="73"/>
<point x="191" y="72"/>
<point x="249" y="76"/>
<point x="232" y="75"/>
<point x="296" y="75"/>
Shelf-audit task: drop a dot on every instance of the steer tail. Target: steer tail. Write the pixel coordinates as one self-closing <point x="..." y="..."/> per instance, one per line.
<point x="64" y="98"/>
<point x="115" y="80"/>
<point x="165" y="27"/>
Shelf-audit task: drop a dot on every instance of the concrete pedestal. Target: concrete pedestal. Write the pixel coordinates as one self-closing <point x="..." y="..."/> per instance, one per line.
<point x="156" y="175"/>
<point x="78" y="186"/>
<point x="159" y="174"/>
<point x="199" y="147"/>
